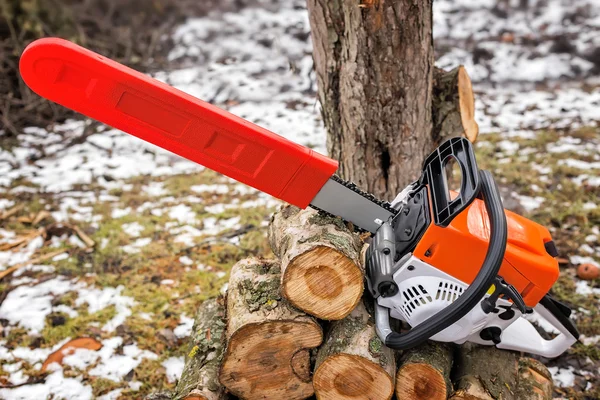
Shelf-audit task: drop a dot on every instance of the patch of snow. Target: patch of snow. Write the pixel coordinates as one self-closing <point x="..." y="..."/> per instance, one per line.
<point x="28" y="306"/>
<point x="133" y="229"/>
<point x="186" y="235"/>
<point x="112" y="395"/>
<point x="115" y="366"/>
<point x="182" y="213"/>
<point x="576" y="260"/>
<point x="60" y="257"/>
<point x="120" y="212"/>
<point x="563" y="377"/>
<point x="98" y="299"/>
<point x="583" y="288"/>
<point x="174" y="368"/>
<point x="185" y="260"/>
<point x="529" y="203"/>
<point x="155" y="189"/>
<point x="136" y="246"/>
<point x="215" y="209"/>
<point x="184" y="329"/>
<point x="216" y="189"/>
<point x="55" y="386"/>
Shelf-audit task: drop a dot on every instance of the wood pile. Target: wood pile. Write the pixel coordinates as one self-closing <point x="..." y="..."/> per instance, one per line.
<point x="298" y="326"/>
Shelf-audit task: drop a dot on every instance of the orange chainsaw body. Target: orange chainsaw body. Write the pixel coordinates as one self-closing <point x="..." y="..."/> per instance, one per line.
<point x="459" y="250"/>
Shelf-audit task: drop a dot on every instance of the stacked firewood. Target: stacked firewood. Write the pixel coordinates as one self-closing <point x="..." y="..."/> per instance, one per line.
<point x="298" y="326"/>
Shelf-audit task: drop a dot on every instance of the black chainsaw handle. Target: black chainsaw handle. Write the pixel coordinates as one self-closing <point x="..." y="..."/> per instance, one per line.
<point x="474" y="293"/>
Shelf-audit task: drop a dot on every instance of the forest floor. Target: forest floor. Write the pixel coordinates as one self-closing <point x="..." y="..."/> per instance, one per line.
<point x="116" y="240"/>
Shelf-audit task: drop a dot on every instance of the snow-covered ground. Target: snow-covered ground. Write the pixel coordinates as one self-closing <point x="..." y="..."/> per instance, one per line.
<point x="532" y="69"/>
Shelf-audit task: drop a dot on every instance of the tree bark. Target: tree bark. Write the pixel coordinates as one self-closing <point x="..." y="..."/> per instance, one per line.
<point x="268" y="340"/>
<point x="453" y="105"/>
<point x="374" y="64"/>
<point x="320" y="262"/>
<point x="424" y="372"/>
<point x="200" y="379"/>
<point x="535" y="381"/>
<point x="486" y="373"/>
<point x="353" y="362"/>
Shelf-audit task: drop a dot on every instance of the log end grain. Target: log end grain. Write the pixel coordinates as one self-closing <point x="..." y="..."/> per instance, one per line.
<point x="323" y="282"/>
<point x="420" y="381"/>
<point x="346" y="376"/>
<point x="268" y="360"/>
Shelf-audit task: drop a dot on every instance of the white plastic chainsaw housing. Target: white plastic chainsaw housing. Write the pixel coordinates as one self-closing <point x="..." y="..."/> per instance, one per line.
<point x="425" y="290"/>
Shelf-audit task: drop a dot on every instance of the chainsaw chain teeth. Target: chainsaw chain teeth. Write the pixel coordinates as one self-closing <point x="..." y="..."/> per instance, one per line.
<point x="352" y="186"/>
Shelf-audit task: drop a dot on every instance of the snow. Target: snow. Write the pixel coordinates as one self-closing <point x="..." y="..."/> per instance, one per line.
<point x="133" y="229"/>
<point x="583" y="288"/>
<point x="182" y="213"/>
<point x="112" y="395"/>
<point x="529" y="203"/>
<point x="54" y="386"/>
<point x="185" y="260"/>
<point x="174" y="368"/>
<point x="563" y="377"/>
<point x="114" y="366"/>
<point x="184" y="329"/>
<point x="155" y="189"/>
<point x="28" y="306"/>
<point x="214" y="189"/>
<point x="98" y="299"/>
<point x="136" y="246"/>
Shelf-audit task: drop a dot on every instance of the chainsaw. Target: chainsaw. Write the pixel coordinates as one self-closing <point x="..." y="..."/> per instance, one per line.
<point x="441" y="265"/>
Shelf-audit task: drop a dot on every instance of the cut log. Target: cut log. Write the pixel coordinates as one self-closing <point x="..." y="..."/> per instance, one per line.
<point x="200" y="377"/>
<point x="535" y="381"/>
<point x="353" y="363"/>
<point x="453" y="105"/>
<point x="486" y="373"/>
<point x="267" y="353"/>
<point x="321" y="271"/>
<point x="424" y="372"/>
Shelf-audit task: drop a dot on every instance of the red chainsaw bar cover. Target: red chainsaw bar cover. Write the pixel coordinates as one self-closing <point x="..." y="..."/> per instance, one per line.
<point x="128" y="100"/>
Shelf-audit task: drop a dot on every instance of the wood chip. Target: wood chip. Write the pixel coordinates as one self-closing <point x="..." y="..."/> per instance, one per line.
<point x="9" y="213"/>
<point x="83" y="236"/>
<point x="22" y="240"/>
<point x="42" y="215"/>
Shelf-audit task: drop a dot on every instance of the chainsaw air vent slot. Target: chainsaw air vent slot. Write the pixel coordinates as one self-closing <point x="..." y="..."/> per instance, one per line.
<point x="415" y="296"/>
<point x="448" y="291"/>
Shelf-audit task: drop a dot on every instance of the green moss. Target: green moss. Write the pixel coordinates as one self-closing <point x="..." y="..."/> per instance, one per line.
<point x="341" y="336"/>
<point x="77" y="326"/>
<point x="324" y="220"/>
<point x="348" y="247"/>
<point x="263" y="294"/>
<point x="102" y="386"/>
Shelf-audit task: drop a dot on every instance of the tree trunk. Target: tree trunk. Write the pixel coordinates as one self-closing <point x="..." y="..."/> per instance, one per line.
<point x="321" y="269"/>
<point x="200" y="379"/>
<point x="353" y="363"/>
<point x="486" y="373"/>
<point x="374" y="64"/>
<point x="424" y="372"/>
<point x="268" y="340"/>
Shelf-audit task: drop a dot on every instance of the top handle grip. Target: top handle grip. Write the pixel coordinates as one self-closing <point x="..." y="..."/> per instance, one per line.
<point x="473" y="294"/>
<point x="444" y="208"/>
<point x="123" y="98"/>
